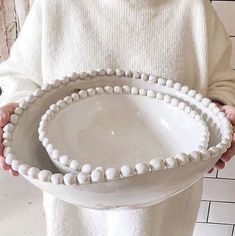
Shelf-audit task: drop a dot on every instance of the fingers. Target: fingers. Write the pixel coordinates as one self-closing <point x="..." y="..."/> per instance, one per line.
<point x="229" y="154"/>
<point x="220" y="165"/>
<point x="231" y="117"/>
<point x="1" y="149"/>
<point x="230" y="113"/>
<point x="231" y="151"/>
<point x="14" y="173"/>
<point x="226" y="157"/>
<point x="211" y="170"/>
<point x="4" y="118"/>
<point x="2" y="161"/>
<point x="1" y="133"/>
<point x="3" y="164"/>
<point x="9" y="107"/>
<point x="7" y="167"/>
<point x="5" y="113"/>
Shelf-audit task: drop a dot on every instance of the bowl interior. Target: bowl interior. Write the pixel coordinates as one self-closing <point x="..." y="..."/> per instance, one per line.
<point x="30" y="150"/>
<point x="112" y="130"/>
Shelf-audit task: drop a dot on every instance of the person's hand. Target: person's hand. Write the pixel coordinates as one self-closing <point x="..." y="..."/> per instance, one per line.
<point x="5" y="113"/>
<point x="230" y="114"/>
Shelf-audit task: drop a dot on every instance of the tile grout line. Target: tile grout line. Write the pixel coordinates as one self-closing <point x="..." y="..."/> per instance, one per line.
<point x="219" y="178"/>
<point x="214" y="223"/>
<point x="233" y="230"/>
<point x="208" y="212"/>
<point x="217" y="201"/>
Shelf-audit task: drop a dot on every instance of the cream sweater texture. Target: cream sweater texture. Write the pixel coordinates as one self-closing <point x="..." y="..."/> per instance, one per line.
<point x="181" y="40"/>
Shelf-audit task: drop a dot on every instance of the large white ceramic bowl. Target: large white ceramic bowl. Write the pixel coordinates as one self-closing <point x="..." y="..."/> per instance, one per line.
<point x="115" y="127"/>
<point x="24" y="152"/>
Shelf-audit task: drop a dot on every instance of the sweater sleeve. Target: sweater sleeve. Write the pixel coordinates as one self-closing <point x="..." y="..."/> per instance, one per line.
<point x="21" y="73"/>
<point x="221" y="76"/>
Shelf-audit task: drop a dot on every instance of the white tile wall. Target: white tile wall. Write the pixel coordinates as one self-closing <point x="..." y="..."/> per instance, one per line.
<point x="219" y="190"/>
<point x="217" y="212"/>
<point x="212" y="230"/>
<point x="203" y="211"/>
<point x="222" y="213"/>
<point x="229" y="171"/>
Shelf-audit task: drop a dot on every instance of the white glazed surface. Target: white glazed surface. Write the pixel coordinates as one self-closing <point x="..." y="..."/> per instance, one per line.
<point x="113" y="130"/>
<point x="136" y="191"/>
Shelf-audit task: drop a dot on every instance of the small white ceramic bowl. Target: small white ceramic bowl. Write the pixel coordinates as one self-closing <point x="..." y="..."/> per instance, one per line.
<point x="24" y="152"/>
<point x="114" y="127"/>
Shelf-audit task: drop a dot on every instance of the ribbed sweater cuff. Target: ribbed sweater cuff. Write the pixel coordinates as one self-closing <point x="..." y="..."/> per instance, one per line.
<point x="223" y="97"/>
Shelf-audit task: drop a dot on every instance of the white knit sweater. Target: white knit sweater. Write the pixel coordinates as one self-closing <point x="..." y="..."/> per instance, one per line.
<point x="181" y="40"/>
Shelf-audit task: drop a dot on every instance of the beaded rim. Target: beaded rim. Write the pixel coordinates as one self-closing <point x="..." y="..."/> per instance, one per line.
<point x="89" y="176"/>
<point x="111" y="173"/>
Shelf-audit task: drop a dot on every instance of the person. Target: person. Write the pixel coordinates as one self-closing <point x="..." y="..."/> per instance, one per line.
<point x="181" y="40"/>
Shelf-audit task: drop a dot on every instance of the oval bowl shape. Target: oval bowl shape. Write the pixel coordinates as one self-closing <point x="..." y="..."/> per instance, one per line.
<point x="115" y="129"/>
<point x="132" y="192"/>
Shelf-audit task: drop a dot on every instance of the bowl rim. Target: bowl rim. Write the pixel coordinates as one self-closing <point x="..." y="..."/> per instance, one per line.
<point x="98" y="174"/>
<point x="72" y="165"/>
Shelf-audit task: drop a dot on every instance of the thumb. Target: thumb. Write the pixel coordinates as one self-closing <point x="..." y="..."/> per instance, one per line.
<point x="230" y="113"/>
<point x="231" y="117"/>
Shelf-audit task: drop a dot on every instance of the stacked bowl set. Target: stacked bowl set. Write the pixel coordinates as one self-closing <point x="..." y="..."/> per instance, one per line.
<point x="115" y="139"/>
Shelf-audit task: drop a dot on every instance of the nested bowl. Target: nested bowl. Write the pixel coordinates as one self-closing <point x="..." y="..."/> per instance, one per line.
<point x="24" y="152"/>
<point x="113" y="128"/>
